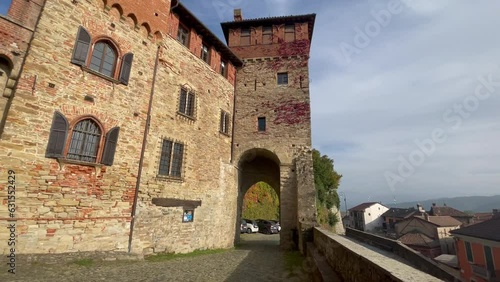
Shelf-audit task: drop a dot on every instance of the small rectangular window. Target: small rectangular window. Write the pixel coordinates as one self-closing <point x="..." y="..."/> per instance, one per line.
<point x="171" y="158"/>
<point x="267" y="35"/>
<point x="490" y="265"/>
<point x="245" y="36"/>
<point x="205" y="53"/>
<point x="183" y="35"/>
<point x="186" y="103"/>
<point x="223" y="68"/>
<point x="261" y="121"/>
<point x="289" y="33"/>
<point x="188" y="216"/>
<point x="224" y="122"/>
<point x="283" y="78"/>
<point x="468" y="250"/>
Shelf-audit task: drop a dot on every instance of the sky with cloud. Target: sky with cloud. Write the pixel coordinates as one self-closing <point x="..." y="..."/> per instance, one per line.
<point x="404" y="93"/>
<point x="400" y="93"/>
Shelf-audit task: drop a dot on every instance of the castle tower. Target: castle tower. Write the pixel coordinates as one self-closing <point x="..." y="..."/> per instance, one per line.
<point x="272" y="123"/>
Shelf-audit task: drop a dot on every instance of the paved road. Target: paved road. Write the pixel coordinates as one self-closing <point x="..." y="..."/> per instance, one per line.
<point x="258" y="258"/>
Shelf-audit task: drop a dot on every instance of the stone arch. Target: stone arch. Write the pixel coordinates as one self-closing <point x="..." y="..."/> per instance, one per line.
<point x="116" y="11"/>
<point x="132" y="20"/>
<point x="145" y="29"/>
<point x="6" y="67"/>
<point x="158" y="36"/>
<point x="256" y="165"/>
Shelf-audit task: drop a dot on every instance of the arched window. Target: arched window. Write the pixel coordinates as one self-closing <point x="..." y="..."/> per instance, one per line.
<point x="84" y="141"/>
<point x="103" y="58"/>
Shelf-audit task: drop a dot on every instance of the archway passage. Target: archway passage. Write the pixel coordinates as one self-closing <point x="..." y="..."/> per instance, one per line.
<point x="263" y="166"/>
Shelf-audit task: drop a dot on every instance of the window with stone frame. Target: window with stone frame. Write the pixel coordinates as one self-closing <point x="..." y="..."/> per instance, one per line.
<point x="83" y="142"/>
<point x="289" y="33"/>
<point x="267" y="35"/>
<point x="171" y="157"/>
<point x="101" y="57"/>
<point x="183" y="35"/>
<point x="282" y="78"/>
<point x="187" y="103"/>
<point x="205" y="53"/>
<point x="225" y="120"/>
<point x="261" y="124"/>
<point x="245" y="37"/>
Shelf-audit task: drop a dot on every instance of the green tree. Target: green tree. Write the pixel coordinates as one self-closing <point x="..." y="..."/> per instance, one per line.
<point x="326" y="181"/>
<point x="261" y="201"/>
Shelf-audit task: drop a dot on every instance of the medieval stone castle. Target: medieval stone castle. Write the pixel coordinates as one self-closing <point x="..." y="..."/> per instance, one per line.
<point x="129" y="126"/>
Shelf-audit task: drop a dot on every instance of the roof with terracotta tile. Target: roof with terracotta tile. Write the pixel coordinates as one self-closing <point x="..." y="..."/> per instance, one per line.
<point x="489" y="230"/>
<point x="441" y="221"/>
<point x="363" y="206"/>
<point x="435" y="210"/>
<point x="418" y="239"/>
<point x="399" y="212"/>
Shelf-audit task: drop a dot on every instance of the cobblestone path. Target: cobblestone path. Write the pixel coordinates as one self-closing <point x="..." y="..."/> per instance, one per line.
<point x="258" y="258"/>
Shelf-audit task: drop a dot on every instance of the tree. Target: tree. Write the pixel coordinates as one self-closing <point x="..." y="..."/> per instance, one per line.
<point x="261" y="201"/>
<point x="326" y="182"/>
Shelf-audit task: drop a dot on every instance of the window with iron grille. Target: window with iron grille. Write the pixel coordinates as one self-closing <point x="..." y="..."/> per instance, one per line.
<point x="171" y="159"/>
<point x="224" y="122"/>
<point x="205" y="53"/>
<point x="245" y="36"/>
<point x="183" y="35"/>
<point x="289" y="33"/>
<point x="187" y="103"/>
<point x="85" y="141"/>
<point x="282" y="78"/>
<point x="267" y="35"/>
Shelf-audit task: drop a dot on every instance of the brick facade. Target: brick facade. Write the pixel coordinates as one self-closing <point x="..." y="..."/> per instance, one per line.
<point x="68" y="205"/>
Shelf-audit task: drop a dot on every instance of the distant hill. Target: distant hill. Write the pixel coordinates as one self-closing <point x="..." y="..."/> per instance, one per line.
<point x="473" y="203"/>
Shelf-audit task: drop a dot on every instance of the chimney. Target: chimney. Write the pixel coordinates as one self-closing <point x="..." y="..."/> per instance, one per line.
<point x="238" y="17"/>
<point x="496" y="213"/>
<point x="426" y="216"/>
<point x="420" y="209"/>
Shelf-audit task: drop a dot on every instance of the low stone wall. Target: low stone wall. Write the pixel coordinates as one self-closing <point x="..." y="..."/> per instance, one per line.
<point x="355" y="262"/>
<point x="414" y="258"/>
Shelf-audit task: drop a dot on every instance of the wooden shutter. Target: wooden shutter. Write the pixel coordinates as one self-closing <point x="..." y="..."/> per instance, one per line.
<point x="82" y="46"/>
<point x="57" y="137"/>
<point x="221" y="121"/>
<point x="226" y="120"/>
<point x="126" y="67"/>
<point x="110" y="147"/>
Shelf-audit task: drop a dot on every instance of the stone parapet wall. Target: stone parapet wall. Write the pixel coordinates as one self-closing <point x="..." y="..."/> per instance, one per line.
<point x="413" y="257"/>
<point x="355" y="262"/>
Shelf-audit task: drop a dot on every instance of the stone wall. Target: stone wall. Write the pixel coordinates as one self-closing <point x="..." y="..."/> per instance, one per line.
<point x="63" y="206"/>
<point x="207" y="175"/>
<point x="16" y="30"/>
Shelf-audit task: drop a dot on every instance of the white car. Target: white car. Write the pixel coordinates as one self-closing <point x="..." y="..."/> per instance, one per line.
<point x="252" y="226"/>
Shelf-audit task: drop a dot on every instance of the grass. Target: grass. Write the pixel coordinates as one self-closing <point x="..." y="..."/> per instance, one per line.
<point x="84" y="262"/>
<point x="170" y="256"/>
<point x="293" y="260"/>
